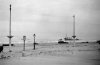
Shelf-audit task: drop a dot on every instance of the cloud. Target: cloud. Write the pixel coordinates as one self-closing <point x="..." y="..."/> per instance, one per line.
<point x="50" y="17"/>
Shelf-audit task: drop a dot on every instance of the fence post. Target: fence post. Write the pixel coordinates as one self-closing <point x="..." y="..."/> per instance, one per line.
<point x="24" y="39"/>
<point x="34" y="42"/>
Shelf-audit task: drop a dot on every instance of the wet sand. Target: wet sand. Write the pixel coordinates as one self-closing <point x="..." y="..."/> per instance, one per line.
<point x="53" y="54"/>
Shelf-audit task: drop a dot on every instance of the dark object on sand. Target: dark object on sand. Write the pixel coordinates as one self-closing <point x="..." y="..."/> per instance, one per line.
<point x="8" y="45"/>
<point x="98" y="41"/>
<point x="1" y="48"/>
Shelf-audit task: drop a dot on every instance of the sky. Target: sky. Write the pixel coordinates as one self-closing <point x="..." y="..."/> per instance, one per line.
<point x="50" y="20"/>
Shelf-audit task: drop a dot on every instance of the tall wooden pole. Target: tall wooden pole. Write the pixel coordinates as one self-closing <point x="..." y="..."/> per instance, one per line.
<point x="10" y="36"/>
<point x="74" y="36"/>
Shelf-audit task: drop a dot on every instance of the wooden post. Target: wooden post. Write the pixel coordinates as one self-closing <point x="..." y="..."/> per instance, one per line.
<point x="34" y="42"/>
<point x="24" y="39"/>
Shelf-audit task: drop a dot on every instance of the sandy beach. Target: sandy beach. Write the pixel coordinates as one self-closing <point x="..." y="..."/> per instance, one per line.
<point x="53" y="54"/>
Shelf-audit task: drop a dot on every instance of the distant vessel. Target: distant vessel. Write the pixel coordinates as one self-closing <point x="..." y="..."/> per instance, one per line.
<point x="61" y="41"/>
<point x="66" y="40"/>
<point x="98" y="41"/>
<point x="69" y="38"/>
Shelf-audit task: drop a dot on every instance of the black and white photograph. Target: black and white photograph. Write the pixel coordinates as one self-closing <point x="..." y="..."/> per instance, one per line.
<point x="49" y="32"/>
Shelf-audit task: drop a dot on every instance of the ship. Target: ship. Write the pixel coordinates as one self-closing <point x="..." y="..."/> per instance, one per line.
<point x="66" y="40"/>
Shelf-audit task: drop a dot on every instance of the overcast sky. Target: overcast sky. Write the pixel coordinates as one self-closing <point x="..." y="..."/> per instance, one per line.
<point x="50" y="19"/>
